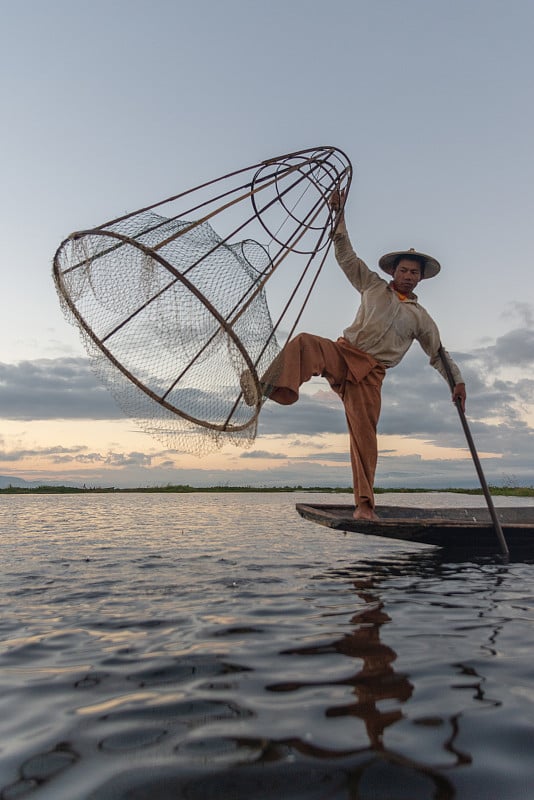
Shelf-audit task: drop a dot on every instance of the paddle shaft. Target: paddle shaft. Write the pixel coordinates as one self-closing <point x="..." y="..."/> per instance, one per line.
<point x="474" y="455"/>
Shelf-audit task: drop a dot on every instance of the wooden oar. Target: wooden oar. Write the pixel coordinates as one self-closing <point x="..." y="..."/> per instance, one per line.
<point x="474" y="455"/>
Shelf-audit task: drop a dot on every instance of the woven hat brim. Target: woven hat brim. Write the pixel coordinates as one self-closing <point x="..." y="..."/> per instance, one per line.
<point x="431" y="266"/>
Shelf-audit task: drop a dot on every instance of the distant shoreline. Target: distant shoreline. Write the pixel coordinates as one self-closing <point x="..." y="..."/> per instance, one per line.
<point x="507" y="491"/>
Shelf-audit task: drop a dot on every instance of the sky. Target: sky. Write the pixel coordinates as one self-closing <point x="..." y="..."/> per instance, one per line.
<point x="109" y="105"/>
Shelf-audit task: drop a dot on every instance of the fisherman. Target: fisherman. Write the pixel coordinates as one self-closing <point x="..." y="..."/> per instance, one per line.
<point x="388" y="320"/>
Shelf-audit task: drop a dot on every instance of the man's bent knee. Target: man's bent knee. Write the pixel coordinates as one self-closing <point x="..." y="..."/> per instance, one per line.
<point x="283" y="396"/>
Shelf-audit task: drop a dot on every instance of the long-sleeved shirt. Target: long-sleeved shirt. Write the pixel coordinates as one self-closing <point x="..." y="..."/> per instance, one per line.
<point x="385" y="326"/>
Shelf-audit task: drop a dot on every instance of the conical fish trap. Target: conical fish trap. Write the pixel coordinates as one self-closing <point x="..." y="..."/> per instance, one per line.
<point x="171" y="300"/>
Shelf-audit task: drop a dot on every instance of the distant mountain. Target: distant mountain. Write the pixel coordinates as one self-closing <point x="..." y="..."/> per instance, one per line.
<point x="6" y="481"/>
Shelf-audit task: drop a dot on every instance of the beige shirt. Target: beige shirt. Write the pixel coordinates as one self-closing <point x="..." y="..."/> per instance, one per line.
<point x="386" y="326"/>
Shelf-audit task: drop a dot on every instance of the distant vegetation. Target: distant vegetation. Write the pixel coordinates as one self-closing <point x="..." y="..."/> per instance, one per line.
<point x="508" y="491"/>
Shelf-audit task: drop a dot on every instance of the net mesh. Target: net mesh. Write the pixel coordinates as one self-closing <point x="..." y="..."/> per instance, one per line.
<point x="172" y="314"/>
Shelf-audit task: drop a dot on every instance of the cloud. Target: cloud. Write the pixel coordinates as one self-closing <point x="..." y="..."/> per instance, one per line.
<point x="307" y="417"/>
<point x="128" y="459"/>
<point x="324" y="456"/>
<point x="55" y="454"/>
<point x="416" y="405"/>
<point x="416" y="400"/>
<point x="77" y="455"/>
<point x="343" y="457"/>
<point x="80" y="458"/>
<point x="60" y="388"/>
<point x="520" y="311"/>
<point x="262" y="454"/>
<point x="515" y="348"/>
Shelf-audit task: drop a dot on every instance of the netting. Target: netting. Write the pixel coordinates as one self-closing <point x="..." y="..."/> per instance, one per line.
<point x="173" y="313"/>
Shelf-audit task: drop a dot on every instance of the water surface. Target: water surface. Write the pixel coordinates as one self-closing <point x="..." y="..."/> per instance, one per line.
<point x="218" y="646"/>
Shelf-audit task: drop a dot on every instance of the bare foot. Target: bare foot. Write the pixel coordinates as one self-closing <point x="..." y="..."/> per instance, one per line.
<point x="365" y="511"/>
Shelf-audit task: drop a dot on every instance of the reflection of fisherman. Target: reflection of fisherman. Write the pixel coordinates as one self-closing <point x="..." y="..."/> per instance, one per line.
<point x="387" y="322"/>
<point x="377" y="679"/>
<point x="379" y="694"/>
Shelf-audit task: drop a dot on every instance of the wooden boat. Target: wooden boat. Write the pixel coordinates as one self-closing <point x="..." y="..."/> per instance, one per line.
<point x="452" y="528"/>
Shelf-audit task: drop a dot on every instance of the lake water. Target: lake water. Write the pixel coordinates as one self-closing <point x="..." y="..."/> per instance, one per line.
<point x="166" y="646"/>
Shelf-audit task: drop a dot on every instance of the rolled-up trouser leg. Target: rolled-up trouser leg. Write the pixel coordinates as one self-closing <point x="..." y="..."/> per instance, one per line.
<point x="304" y="356"/>
<point x="362" y="401"/>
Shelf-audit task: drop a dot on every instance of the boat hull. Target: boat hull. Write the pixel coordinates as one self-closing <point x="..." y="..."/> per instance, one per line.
<point x="458" y="528"/>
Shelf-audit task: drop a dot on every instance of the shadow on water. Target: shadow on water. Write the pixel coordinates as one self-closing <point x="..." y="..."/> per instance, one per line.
<point x="265" y="768"/>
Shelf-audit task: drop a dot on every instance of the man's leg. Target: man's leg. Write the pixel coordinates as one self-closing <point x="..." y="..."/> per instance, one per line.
<point x="307" y="355"/>
<point x="304" y="356"/>
<point x="362" y="401"/>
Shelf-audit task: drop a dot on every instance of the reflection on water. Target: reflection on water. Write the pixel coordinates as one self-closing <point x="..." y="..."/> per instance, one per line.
<point x="375" y="679"/>
<point x="212" y="646"/>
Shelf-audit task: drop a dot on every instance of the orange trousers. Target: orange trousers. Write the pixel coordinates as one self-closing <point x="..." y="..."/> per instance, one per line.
<point x="355" y="376"/>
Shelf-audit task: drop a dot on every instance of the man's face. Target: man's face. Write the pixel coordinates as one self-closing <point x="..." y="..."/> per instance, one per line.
<point x="407" y="275"/>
